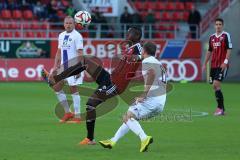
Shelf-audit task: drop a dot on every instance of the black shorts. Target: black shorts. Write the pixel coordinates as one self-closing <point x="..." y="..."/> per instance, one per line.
<point x="217" y="74"/>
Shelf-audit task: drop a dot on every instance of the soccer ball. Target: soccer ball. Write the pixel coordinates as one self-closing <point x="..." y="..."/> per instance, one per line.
<point x="83" y="18"/>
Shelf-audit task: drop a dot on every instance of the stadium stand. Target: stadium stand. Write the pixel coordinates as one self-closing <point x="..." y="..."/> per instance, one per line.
<point x="18" y="19"/>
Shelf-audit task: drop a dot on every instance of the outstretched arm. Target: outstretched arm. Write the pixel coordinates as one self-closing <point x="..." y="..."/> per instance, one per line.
<point x="207" y="58"/>
<point x="149" y="81"/>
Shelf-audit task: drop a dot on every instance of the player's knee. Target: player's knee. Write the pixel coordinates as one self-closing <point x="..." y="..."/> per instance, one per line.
<point x="124" y="118"/>
<point x="91" y="113"/>
<point x="73" y="89"/>
<point x="128" y="116"/>
<point x="216" y="86"/>
<point x="90" y="108"/>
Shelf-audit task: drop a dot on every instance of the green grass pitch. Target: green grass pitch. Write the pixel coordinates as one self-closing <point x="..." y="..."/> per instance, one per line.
<point x="29" y="129"/>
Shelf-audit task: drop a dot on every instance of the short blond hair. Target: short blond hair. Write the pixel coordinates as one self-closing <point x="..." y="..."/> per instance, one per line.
<point x="68" y="17"/>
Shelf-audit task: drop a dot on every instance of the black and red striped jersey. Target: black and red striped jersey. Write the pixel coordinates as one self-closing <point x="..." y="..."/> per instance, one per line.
<point x="127" y="67"/>
<point x="218" y="46"/>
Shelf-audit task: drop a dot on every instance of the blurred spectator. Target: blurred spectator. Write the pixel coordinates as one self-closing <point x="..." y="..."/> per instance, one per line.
<point x="70" y="10"/>
<point x="136" y="18"/>
<point x="12" y="4"/>
<point x="194" y="20"/>
<point x="60" y="6"/>
<point x="3" y="4"/>
<point x="149" y="19"/>
<point x="97" y="17"/>
<point x="39" y="10"/>
<point x="52" y="11"/>
<point x="126" y="16"/>
<point x="27" y="5"/>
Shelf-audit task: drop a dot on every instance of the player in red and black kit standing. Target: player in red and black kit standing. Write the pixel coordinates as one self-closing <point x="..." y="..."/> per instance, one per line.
<point x="109" y="85"/>
<point x="220" y="46"/>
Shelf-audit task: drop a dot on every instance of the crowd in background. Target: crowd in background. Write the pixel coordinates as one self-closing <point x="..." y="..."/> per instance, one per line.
<point x="51" y="10"/>
<point x="56" y="10"/>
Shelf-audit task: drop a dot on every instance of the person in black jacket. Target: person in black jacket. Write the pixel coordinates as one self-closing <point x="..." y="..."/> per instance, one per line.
<point x="194" y="20"/>
<point x="125" y="19"/>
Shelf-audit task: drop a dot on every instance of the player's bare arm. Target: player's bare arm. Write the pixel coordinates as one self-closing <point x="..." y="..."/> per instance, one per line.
<point x="147" y="86"/>
<point x="80" y="54"/>
<point x="57" y="61"/>
<point x="207" y="58"/>
<point x="224" y="65"/>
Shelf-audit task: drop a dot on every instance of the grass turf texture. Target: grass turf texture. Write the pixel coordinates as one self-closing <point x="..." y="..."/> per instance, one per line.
<point x="29" y="128"/>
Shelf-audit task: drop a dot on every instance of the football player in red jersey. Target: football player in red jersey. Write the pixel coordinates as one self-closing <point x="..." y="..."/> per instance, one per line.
<point x="219" y="50"/>
<point x="110" y="85"/>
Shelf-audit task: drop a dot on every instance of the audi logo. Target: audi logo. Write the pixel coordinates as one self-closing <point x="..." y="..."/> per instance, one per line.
<point x="180" y="70"/>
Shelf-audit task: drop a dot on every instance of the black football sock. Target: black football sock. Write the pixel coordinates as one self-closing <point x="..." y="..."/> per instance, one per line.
<point x="90" y="121"/>
<point x="219" y="99"/>
<point x="90" y="129"/>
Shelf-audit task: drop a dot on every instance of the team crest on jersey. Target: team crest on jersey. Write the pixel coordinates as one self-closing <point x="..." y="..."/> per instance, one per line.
<point x="217" y="44"/>
<point x="70" y="39"/>
<point x="221" y="38"/>
<point x="65" y="42"/>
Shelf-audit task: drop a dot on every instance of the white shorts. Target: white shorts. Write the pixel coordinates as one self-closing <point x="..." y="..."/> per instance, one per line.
<point x="72" y="81"/>
<point x="149" y="107"/>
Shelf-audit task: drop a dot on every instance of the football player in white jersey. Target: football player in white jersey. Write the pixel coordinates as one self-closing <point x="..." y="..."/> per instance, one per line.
<point x="70" y="46"/>
<point x="149" y="104"/>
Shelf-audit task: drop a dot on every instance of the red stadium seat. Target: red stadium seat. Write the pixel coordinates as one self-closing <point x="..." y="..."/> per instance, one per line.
<point x="17" y="14"/>
<point x="41" y="34"/>
<point x="27" y="14"/>
<point x="170" y="35"/>
<point x="6" y="14"/>
<point x="172" y="26"/>
<point x="35" y="25"/>
<point x="143" y="14"/>
<point x="14" y="25"/>
<point x="177" y="16"/>
<point x="85" y="34"/>
<point x="160" y="6"/>
<point x="150" y="5"/>
<point x="44" y="1"/>
<point x="179" y="6"/>
<point x="65" y="3"/>
<point x="26" y="25"/>
<point x="162" y="27"/>
<point x="45" y="25"/>
<point x="158" y="15"/>
<point x="159" y="35"/>
<point x="166" y="16"/>
<point x="188" y="5"/>
<point x="139" y="6"/>
<point x="185" y="15"/>
<point x="170" y="6"/>
<point x="3" y="25"/>
<point x="17" y="34"/>
<point x="61" y="14"/>
<point x="53" y="34"/>
<point x="7" y="34"/>
<point x="29" y="34"/>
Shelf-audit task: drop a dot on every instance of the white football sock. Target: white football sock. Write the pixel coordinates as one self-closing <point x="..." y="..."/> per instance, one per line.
<point x="123" y="129"/>
<point x="76" y="103"/>
<point x="63" y="100"/>
<point x="136" y="128"/>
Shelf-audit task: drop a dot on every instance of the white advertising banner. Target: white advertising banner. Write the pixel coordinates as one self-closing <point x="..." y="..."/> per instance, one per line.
<point x="107" y="7"/>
